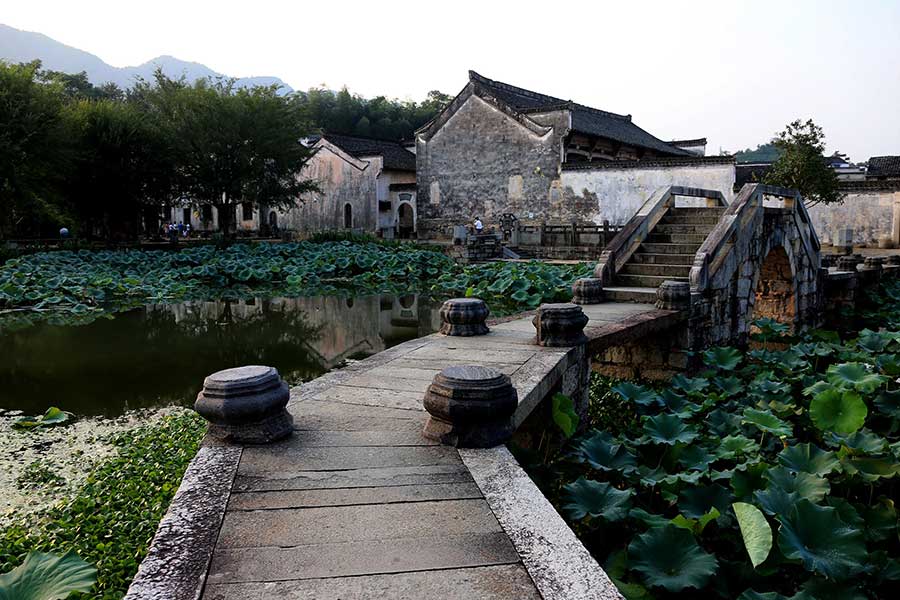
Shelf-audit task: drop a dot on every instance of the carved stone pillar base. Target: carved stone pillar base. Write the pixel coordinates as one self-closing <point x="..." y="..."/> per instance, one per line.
<point x="470" y="407"/>
<point x="464" y="317"/>
<point x="673" y="295"/>
<point x="560" y="325"/>
<point x="246" y="405"/>
<point x="588" y="290"/>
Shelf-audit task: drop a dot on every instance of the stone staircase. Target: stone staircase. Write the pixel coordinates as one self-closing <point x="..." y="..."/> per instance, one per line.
<point x="666" y="254"/>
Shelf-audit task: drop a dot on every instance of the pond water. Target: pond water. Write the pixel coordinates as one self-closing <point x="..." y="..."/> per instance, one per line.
<point x="158" y="355"/>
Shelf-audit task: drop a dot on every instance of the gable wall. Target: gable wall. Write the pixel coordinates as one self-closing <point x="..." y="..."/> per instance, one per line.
<point x="482" y="162"/>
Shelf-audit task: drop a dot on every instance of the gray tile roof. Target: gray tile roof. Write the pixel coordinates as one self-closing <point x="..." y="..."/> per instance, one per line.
<point x="395" y="156"/>
<point x="587" y="120"/>
<point x="884" y="166"/>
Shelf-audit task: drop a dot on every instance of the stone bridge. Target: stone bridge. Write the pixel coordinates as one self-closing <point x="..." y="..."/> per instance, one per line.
<point x="366" y="495"/>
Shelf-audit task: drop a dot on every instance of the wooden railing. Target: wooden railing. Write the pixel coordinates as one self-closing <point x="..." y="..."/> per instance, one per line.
<point x="633" y="234"/>
<point x="751" y="202"/>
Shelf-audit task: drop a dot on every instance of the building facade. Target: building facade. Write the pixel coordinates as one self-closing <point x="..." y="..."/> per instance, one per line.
<point x="499" y="149"/>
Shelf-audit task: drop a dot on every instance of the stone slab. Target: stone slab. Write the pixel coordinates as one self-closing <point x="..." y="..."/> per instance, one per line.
<point x="351" y="478"/>
<point x="385" y="398"/>
<point x="365" y="557"/>
<point x="353" y="496"/>
<point x="472" y="356"/>
<point x="176" y="564"/>
<point x="442" y="363"/>
<point x="557" y="561"/>
<point x="407" y="433"/>
<point x="287" y="458"/>
<point x="334" y="416"/>
<point x="380" y="378"/>
<point x="331" y="525"/>
<point x="504" y="582"/>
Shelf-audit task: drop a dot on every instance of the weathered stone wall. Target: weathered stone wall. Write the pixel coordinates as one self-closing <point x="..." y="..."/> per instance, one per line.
<point x="615" y="191"/>
<point x="770" y="264"/>
<point x="873" y="211"/>
<point x="655" y="357"/>
<point x="342" y="180"/>
<point x="483" y="162"/>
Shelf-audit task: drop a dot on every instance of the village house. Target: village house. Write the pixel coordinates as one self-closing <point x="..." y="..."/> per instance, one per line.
<point x="500" y="149"/>
<point x="365" y="185"/>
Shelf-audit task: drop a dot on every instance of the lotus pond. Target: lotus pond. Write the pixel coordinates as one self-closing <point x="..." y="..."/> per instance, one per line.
<point x="104" y="332"/>
<point x="772" y="474"/>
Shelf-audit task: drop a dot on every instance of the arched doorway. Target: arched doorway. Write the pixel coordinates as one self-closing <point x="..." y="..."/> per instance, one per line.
<point x="348" y="216"/>
<point x="406" y="220"/>
<point x="775" y="296"/>
<point x="273" y="223"/>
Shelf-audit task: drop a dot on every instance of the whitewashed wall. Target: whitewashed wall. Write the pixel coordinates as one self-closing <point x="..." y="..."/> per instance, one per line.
<point x="620" y="191"/>
<point x="871" y="214"/>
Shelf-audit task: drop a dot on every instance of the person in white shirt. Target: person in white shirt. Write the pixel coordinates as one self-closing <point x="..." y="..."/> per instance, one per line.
<point x="479" y="226"/>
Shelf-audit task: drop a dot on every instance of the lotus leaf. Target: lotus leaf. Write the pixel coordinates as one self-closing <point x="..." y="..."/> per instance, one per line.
<point x="836" y="410"/>
<point x="862" y="441"/>
<point x="603" y="454"/>
<point x="669" y="557"/>
<point x="855" y="376"/>
<point x="808" y="458"/>
<point x="688" y="384"/>
<point x="637" y="393"/>
<point x="755" y="530"/>
<point x="726" y="359"/>
<point x="564" y="415"/>
<point x="45" y="576"/>
<point x="697" y="501"/>
<point x="882" y="520"/>
<point x="888" y="402"/>
<point x="668" y="429"/>
<point x="767" y="422"/>
<point x="696" y="526"/>
<point x="585" y="497"/>
<point x="735" y="445"/>
<point x="817" y="537"/>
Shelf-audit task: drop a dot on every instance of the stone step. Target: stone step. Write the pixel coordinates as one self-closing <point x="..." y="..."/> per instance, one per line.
<point x="646" y="258"/>
<point x="676" y="238"/>
<point x="709" y="220"/>
<point x="630" y="294"/>
<point x="694" y="228"/>
<point x="657" y="248"/>
<point x="699" y="211"/>
<point x="632" y="268"/>
<point x="645" y="281"/>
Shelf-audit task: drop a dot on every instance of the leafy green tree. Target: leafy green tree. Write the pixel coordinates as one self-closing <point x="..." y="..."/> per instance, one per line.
<point x="34" y="150"/>
<point x="232" y="145"/>
<point x="124" y="164"/>
<point x="801" y="166"/>
<point x="77" y="86"/>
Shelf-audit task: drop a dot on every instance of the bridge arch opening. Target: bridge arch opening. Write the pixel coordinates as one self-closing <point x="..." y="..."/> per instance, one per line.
<point x="776" y="292"/>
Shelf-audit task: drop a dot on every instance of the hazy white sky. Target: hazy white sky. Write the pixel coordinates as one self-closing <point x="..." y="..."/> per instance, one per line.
<point x="734" y="72"/>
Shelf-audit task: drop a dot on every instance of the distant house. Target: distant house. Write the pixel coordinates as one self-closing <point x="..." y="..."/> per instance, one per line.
<point x="365" y="185"/>
<point x="500" y="149"/>
<point x="883" y="168"/>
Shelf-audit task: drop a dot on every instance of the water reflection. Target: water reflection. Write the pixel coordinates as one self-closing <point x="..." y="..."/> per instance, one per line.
<point x="159" y="354"/>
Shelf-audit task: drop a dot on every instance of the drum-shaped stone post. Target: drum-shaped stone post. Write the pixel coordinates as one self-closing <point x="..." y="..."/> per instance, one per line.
<point x="560" y="325"/>
<point x="246" y="405"/>
<point x="464" y="317"/>
<point x="673" y="295"/>
<point x="587" y="290"/>
<point x="470" y="407"/>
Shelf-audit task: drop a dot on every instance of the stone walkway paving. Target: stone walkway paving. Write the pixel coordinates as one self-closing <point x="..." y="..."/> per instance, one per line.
<point x="357" y="504"/>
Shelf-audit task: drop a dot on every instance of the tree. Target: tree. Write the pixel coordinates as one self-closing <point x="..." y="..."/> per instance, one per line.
<point x="232" y="146"/>
<point x="124" y="163"/>
<point x="34" y="150"/>
<point x="801" y="164"/>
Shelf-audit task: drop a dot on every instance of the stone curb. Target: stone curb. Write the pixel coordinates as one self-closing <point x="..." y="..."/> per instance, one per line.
<point x="176" y="564"/>
<point x="557" y="561"/>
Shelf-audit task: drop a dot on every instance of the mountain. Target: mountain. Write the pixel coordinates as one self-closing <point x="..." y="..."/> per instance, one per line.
<point x="24" y="46"/>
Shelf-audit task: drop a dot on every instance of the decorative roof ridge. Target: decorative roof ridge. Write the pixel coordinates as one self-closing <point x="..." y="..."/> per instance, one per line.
<point x="692" y="142"/>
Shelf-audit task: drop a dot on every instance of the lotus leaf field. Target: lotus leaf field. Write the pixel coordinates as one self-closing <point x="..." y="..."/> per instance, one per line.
<point x="73" y="287"/>
<point x="771" y="474"/>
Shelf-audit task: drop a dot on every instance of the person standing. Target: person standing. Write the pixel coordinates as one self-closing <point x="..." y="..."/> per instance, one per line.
<point x="479" y="226"/>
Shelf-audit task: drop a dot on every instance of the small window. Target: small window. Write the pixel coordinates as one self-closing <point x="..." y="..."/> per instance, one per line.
<point x="348" y="216"/>
<point x="247" y="211"/>
<point x="186" y="214"/>
<point x="206" y="213"/>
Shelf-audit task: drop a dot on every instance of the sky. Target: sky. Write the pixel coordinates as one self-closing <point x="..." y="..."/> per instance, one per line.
<point x="734" y="72"/>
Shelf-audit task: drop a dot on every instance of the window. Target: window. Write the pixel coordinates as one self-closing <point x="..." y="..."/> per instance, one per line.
<point x="348" y="216"/>
<point x="186" y="214"/>
<point x="405" y="197"/>
<point x="247" y="211"/>
<point x="206" y="213"/>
